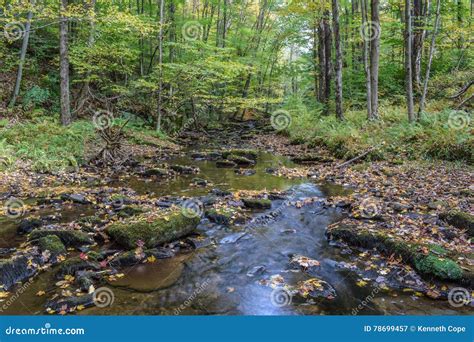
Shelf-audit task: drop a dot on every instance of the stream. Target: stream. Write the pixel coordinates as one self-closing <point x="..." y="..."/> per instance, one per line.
<point x="229" y="271"/>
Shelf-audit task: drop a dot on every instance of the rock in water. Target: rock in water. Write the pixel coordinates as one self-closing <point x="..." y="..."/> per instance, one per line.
<point x="69" y="237"/>
<point x="257" y="203"/>
<point x="153" y="230"/>
<point x="28" y="225"/>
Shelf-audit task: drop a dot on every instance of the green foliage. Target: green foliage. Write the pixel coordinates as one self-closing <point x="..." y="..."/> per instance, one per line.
<point x="46" y="144"/>
<point x="433" y="137"/>
<point x="35" y="96"/>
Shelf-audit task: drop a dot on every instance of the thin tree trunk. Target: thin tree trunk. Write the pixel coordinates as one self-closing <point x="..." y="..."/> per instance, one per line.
<point x="24" y="48"/>
<point x="64" y="66"/>
<point x="338" y="65"/>
<point x="160" y="66"/>
<point x="374" y="60"/>
<point x="408" y="62"/>
<point x="366" y="61"/>
<point x="430" y="59"/>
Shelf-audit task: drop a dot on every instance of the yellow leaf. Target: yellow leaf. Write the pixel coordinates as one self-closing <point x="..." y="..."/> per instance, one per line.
<point x="40" y="293"/>
<point x="80" y="307"/>
<point x="361" y="283"/>
<point x="151" y="259"/>
<point x="4" y="294"/>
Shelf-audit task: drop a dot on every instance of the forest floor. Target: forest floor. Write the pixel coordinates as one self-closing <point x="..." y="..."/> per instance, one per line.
<point x="410" y="218"/>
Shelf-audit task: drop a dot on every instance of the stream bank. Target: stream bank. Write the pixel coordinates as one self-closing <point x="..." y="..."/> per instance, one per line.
<point x="260" y="245"/>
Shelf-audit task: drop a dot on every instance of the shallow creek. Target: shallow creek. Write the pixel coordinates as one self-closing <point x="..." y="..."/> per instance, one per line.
<point x="223" y="274"/>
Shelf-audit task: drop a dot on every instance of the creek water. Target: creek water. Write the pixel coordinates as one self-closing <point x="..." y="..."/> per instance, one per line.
<point x="224" y="274"/>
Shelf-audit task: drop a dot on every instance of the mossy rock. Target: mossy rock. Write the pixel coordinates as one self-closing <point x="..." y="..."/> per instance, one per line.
<point x="225" y="163"/>
<point x="94" y="256"/>
<point x="88" y="223"/>
<point x="249" y="154"/>
<point x="183" y="169"/>
<point x="460" y="220"/>
<point x="26" y="226"/>
<point x="240" y="160"/>
<point x="130" y="210"/>
<point x="257" y="203"/>
<point x="160" y="230"/>
<point x="219" y="216"/>
<point x="70" y="238"/>
<point x="429" y="264"/>
<point x="442" y="268"/>
<point x="73" y="265"/>
<point x="51" y="243"/>
<point x="158" y="172"/>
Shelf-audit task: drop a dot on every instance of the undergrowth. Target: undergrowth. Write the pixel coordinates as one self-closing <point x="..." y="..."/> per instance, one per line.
<point x="445" y="135"/>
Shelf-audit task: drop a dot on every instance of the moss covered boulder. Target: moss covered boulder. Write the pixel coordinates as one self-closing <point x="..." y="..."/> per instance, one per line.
<point x="130" y="210"/>
<point x="460" y="220"/>
<point x="246" y="153"/>
<point x="257" y="203"/>
<point x="152" y="229"/>
<point x="220" y="216"/>
<point x="76" y="264"/>
<point x="158" y="172"/>
<point x="425" y="259"/>
<point x="225" y="163"/>
<point x="69" y="237"/>
<point x="239" y="160"/>
<point x="51" y="243"/>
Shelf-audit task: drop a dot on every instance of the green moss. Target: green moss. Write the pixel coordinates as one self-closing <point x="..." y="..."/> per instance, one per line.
<point x="460" y="220"/>
<point x="219" y="216"/>
<point x="257" y="203"/>
<point x="430" y="264"/>
<point x="93" y="255"/>
<point x="439" y="267"/>
<point x="70" y="238"/>
<point x="51" y="243"/>
<point x="225" y="163"/>
<point x="239" y="160"/>
<point x="130" y="210"/>
<point x="159" y="231"/>
<point x="250" y="154"/>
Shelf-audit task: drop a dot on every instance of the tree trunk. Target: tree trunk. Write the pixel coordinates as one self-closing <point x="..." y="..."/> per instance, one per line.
<point x="338" y="65"/>
<point x="328" y="50"/>
<point x="374" y="60"/>
<point x="430" y="59"/>
<point x="408" y="62"/>
<point x="64" y="66"/>
<point x="24" y="48"/>
<point x="366" y="61"/>
<point x="160" y="67"/>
